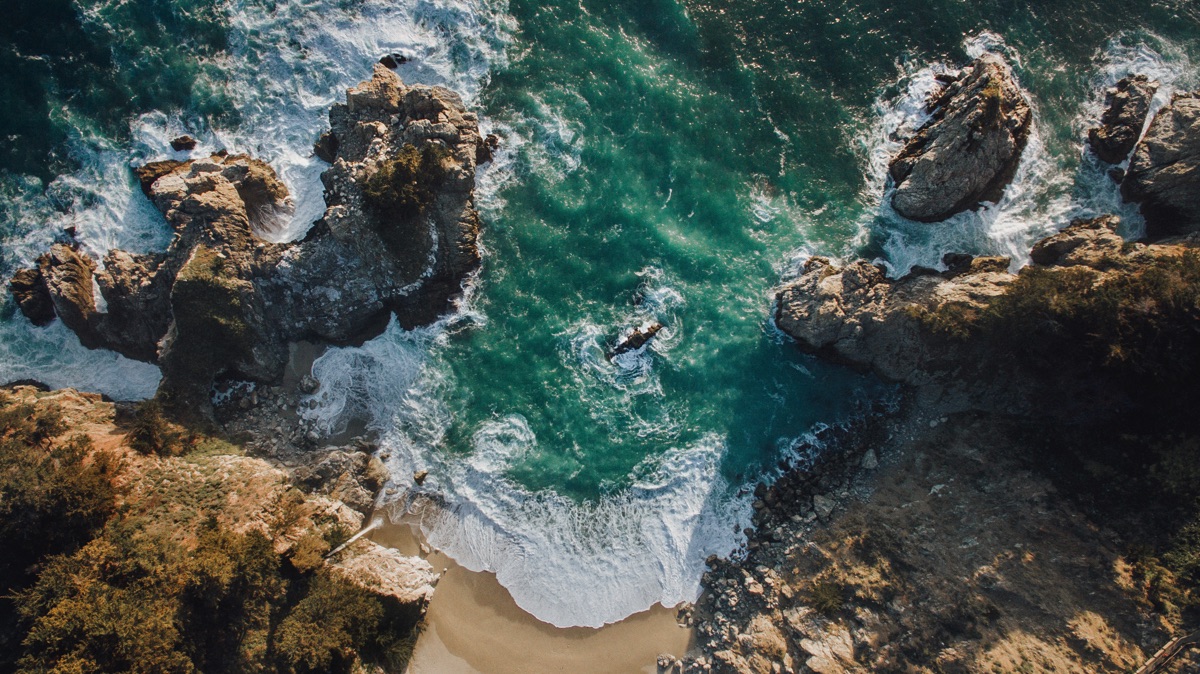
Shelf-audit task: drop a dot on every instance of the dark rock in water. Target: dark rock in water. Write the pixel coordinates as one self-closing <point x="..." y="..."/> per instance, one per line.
<point x="222" y="301"/>
<point x="419" y="477"/>
<point x="486" y="150"/>
<point x="1126" y="107"/>
<point x="1164" y="173"/>
<point x="28" y="288"/>
<point x="326" y="147"/>
<point x="393" y="60"/>
<point x="957" y="262"/>
<point x="309" y="384"/>
<point x="1116" y="174"/>
<point x="182" y="143"/>
<point x="968" y="152"/>
<point x="636" y="340"/>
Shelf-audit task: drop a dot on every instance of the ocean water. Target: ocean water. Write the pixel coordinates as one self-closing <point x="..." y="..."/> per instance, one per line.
<point x="665" y="161"/>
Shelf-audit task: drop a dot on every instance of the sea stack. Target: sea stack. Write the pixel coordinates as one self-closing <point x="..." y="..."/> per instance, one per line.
<point x="969" y="150"/>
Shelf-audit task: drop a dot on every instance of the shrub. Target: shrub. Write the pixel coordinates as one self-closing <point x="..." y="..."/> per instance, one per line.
<point x="402" y="188"/>
<point x="151" y="433"/>
<point x="827" y="597"/>
<point x="323" y="630"/>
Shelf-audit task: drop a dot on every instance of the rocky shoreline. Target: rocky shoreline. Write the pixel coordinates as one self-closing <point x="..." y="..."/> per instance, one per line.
<point x="960" y="554"/>
<point x="398" y="238"/>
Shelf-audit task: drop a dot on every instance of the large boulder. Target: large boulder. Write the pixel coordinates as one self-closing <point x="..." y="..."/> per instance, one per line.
<point x="1164" y="173"/>
<point x="398" y="238"/>
<point x="969" y="150"/>
<point x="1126" y="107"/>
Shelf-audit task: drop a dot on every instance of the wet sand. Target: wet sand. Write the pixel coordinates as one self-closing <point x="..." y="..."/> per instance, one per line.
<point x="474" y="627"/>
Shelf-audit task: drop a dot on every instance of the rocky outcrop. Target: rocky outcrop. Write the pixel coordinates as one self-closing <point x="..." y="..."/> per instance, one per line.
<point x="969" y="150"/>
<point x="857" y="315"/>
<point x="1126" y="107"/>
<point x="949" y="334"/>
<point x="354" y="478"/>
<point x="398" y="238"/>
<point x="387" y="572"/>
<point x="1164" y="173"/>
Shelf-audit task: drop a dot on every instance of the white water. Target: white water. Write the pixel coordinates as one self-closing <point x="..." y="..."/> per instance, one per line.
<point x="1046" y="194"/>
<point x="289" y="62"/>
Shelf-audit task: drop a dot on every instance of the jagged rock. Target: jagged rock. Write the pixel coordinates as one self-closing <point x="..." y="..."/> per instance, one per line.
<point x="182" y="143"/>
<point x="870" y="460"/>
<point x="640" y="337"/>
<point x="419" y="477"/>
<point x="1126" y="107"/>
<point x="33" y="298"/>
<point x="1088" y="242"/>
<point x="824" y="506"/>
<point x="353" y="478"/>
<point x="308" y="384"/>
<point x="859" y="316"/>
<point x="221" y="301"/>
<point x="408" y="581"/>
<point x="486" y="150"/>
<point x="1164" y="173"/>
<point x="968" y="152"/>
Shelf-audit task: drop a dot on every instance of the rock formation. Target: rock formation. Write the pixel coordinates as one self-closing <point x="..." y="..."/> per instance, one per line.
<point x="636" y="339"/>
<point x="1164" y="173"/>
<point x="973" y="331"/>
<point x="968" y="152"/>
<point x="1126" y="107"/>
<point x="398" y="238"/>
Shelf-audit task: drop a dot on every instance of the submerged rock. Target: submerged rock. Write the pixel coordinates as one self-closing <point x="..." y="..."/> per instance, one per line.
<point x="968" y="152"/>
<point x="222" y="301"/>
<point x="1126" y="107"/>
<point x="1164" y="173"/>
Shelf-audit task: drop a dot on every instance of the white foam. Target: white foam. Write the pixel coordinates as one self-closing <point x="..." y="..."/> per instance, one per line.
<point x="54" y="356"/>
<point x="1046" y="193"/>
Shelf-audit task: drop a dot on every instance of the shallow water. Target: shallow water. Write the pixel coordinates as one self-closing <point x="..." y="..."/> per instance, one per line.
<point x="662" y="162"/>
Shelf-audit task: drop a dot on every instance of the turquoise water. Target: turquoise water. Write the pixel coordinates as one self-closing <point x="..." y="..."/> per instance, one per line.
<point x="663" y="162"/>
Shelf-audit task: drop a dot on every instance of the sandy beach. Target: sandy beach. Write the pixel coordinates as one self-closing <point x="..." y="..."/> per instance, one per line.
<point x="474" y="626"/>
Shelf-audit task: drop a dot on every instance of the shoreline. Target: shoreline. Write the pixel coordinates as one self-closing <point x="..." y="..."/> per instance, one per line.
<point x="472" y="625"/>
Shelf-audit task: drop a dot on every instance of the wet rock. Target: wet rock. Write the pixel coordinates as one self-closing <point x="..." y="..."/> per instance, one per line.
<point x="637" y="339"/>
<point x="308" y="385"/>
<point x="183" y="143"/>
<point x="486" y="150"/>
<point x="1164" y="172"/>
<point x="419" y="477"/>
<point x="1126" y="107"/>
<point x="393" y="60"/>
<point x="968" y="152"/>
<point x="28" y="288"/>
<point x="326" y="147"/>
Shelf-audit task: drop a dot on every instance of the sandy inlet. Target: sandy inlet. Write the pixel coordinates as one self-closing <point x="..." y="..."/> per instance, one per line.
<point x="473" y="626"/>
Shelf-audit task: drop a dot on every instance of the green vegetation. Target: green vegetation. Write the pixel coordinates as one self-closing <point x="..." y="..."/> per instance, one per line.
<point x="1141" y="327"/>
<point x="399" y="192"/>
<point x="151" y="433"/>
<point x="88" y="587"/>
<point x="207" y="302"/>
<point x="827" y="597"/>
<point x="992" y="96"/>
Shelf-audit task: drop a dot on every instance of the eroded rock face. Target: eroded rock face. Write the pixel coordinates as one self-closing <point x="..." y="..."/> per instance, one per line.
<point x="968" y="152"/>
<point x="223" y="301"/>
<point x="1164" y="173"/>
<point x="857" y="315"/>
<point x="1126" y="107"/>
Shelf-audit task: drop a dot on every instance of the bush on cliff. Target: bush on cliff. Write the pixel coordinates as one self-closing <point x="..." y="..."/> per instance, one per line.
<point x="53" y="498"/>
<point x="151" y="433"/>
<point x="132" y="600"/>
<point x="402" y="188"/>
